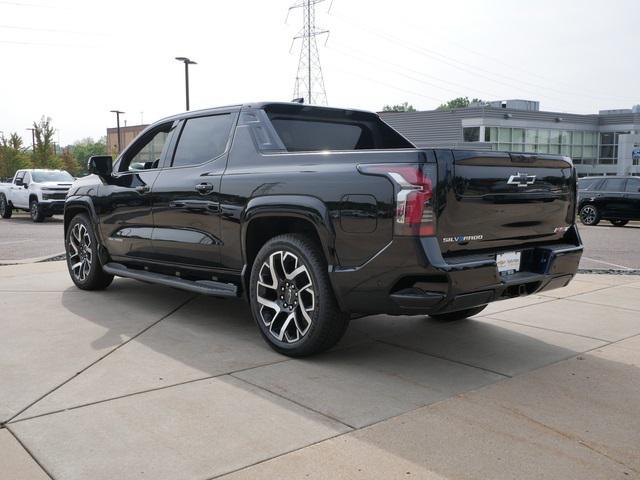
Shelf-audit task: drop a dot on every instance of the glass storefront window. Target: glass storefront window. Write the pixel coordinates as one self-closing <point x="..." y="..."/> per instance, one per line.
<point x="607" y="138"/>
<point x="518" y="135"/>
<point x="565" y="150"/>
<point x="554" y="149"/>
<point x="565" y="137"/>
<point x="543" y="148"/>
<point x="576" y="152"/>
<point x="490" y="134"/>
<point x="554" y="136"/>
<point x="504" y="135"/>
<point x="590" y="138"/>
<point x="577" y="138"/>
<point x="517" y="147"/>
<point x="471" y="134"/>
<point x="543" y="136"/>
<point x="531" y="135"/>
<point x="589" y="152"/>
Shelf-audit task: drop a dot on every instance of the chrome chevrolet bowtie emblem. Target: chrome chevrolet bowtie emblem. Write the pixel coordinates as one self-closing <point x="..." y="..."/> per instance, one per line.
<point x="521" y="179"/>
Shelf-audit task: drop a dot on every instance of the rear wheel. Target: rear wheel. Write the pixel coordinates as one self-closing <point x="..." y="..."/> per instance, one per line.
<point x="619" y="223"/>
<point x="35" y="211"/>
<point x="291" y="298"/>
<point x="5" y="208"/>
<point x="82" y="256"/>
<point x="458" y="314"/>
<point x="589" y="215"/>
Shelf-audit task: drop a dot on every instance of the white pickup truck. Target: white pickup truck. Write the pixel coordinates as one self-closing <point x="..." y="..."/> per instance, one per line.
<point x="39" y="192"/>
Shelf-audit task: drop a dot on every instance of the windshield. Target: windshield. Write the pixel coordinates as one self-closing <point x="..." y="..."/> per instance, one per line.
<point x="60" y="176"/>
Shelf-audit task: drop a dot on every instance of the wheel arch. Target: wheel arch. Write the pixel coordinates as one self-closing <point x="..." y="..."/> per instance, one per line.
<point x="74" y="206"/>
<point x="270" y="216"/>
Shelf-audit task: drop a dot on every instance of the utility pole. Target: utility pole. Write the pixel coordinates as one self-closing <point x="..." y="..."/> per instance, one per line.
<point x="118" y="113"/>
<point x="309" y="79"/>
<point x="33" y="140"/>
<point x="186" y="62"/>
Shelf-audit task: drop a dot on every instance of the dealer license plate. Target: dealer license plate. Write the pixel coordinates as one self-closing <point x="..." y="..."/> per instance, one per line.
<point x="508" y="262"/>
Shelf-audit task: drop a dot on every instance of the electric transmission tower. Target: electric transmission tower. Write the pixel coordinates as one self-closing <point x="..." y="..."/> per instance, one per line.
<point x="309" y="82"/>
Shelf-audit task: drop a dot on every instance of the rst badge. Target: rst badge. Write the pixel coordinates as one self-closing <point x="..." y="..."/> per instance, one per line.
<point x="521" y="179"/>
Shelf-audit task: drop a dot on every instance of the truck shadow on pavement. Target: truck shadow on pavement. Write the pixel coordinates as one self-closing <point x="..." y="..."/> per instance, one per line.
<point x="577" y="419"/>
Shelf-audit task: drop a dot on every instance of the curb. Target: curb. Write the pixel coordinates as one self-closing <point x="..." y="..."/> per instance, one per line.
<point x="607" y="271"/>
<point x="46" y="258"/>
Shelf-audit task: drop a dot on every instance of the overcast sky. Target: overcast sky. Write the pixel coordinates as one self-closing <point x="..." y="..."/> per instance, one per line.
<point x="74" y="60"/>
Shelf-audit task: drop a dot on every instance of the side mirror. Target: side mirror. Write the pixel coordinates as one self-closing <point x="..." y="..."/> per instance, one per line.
<point x="25" y="185"/>
<point x="101" y="165"/>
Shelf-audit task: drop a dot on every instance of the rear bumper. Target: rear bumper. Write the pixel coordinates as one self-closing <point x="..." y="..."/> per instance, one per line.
<point x="411" y="277"/>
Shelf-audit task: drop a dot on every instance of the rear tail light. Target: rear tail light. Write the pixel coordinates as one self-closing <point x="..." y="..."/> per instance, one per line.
<point x="413" y="188"/>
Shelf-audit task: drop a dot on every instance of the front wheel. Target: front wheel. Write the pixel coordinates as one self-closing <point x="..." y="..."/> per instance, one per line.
<point x="589" y="215"/>
<point x="291" y="298"/>
<point x="5" y="208"/>
<point x="82" y="256"/>
<point x="619" y="223"/>
<point x="36" y="213"/>
<point x="458" y="314"/>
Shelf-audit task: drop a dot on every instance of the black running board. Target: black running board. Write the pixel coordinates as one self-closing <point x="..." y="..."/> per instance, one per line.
<point x="203" y="287"/>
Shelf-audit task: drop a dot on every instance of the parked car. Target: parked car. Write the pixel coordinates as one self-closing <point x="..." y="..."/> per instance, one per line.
<point x="616" y="199"/>
<point x="39" y="192"/>
<point x="316" y="215"/>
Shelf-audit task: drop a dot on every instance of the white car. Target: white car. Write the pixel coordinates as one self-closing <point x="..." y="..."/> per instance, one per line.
<point x="39" y="192"/>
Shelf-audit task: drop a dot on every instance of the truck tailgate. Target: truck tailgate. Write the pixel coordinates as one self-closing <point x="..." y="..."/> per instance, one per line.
<point x="497" y="200"/>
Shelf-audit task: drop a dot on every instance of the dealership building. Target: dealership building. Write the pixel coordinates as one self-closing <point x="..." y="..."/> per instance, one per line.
<point x="607" y="143"/>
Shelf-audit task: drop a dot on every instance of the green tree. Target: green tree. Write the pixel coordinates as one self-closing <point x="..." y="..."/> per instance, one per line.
<point x="44" y="155"/>
<point x="403" y="107"/>
<point x="87" y="147"/>
<point x="69" y="163"/>
<point x="460" y="102"/>
<point x="12" y="155"/>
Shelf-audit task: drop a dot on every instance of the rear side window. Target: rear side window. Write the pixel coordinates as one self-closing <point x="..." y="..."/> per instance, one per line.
<point x="614" y="185"/>
<point x="587" y="183"/>
<point x="202" y="139"/>
<point x="633" y="185"/>
<point x="302" y="128"/>
<point x="307" y="135"/>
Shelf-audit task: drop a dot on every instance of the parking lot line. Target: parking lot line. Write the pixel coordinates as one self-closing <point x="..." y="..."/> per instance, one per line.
<point x="606" y="263"/>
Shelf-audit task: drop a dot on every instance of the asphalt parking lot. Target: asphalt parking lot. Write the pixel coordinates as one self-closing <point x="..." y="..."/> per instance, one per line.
<point x="21" y="239"/>
<point x="141" y="381"/>
<point x="606" y="247"/>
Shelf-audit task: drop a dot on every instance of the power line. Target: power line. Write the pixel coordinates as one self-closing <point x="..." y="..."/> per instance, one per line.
<point x="51" y="30"/>
<point x="468" y="68"/>
<point x="309" y="79"/>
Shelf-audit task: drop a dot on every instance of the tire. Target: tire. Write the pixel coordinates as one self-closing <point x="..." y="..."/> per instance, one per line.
<point x="619" y="223"/>
<point x="5" y="209"/>
<point x="314" y="322"/>
<point x="82" y="255"/>
<point x="34" y="210"/>
<point x="457" y="315"/>
<point x="589" y="214"/>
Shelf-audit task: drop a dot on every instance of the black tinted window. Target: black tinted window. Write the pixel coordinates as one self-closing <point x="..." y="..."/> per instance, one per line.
<point x="302" y="128"/>
<point x="202" y="139"/>
<point x="633" y="185"/>
<point x="587" y="183"/>
<point x="614" y="185"/>
<point x="306" y="135"/>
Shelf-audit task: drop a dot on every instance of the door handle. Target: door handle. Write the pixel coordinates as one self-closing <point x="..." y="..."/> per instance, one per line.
<point x="142" y="189"/>
<point x="203" y="188"/>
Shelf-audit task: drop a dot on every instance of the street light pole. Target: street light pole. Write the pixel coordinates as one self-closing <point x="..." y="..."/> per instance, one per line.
<point x="186" y="62"/>
<point x="118" y="112"/>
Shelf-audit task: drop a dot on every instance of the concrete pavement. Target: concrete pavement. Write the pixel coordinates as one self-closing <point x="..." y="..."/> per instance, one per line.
<point x="140" y="381"/>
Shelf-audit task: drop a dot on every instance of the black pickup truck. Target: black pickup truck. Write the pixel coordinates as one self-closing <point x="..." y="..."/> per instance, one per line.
<point x="317" y="215"/>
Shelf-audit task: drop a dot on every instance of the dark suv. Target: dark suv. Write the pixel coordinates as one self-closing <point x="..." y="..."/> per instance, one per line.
<point x="616" y="199"/>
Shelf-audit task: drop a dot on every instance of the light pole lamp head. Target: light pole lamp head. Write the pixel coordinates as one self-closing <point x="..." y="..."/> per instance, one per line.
<point x="186" y="60"/>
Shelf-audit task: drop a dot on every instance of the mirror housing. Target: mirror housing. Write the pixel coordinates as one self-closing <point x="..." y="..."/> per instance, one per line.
<point x="101" y="165"/>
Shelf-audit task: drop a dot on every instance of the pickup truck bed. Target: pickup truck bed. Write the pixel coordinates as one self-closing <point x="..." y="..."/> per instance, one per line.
<point x="315" y="215"/>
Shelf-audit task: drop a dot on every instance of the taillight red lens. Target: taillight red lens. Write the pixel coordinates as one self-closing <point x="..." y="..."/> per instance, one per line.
<point x="414" y="196"/>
